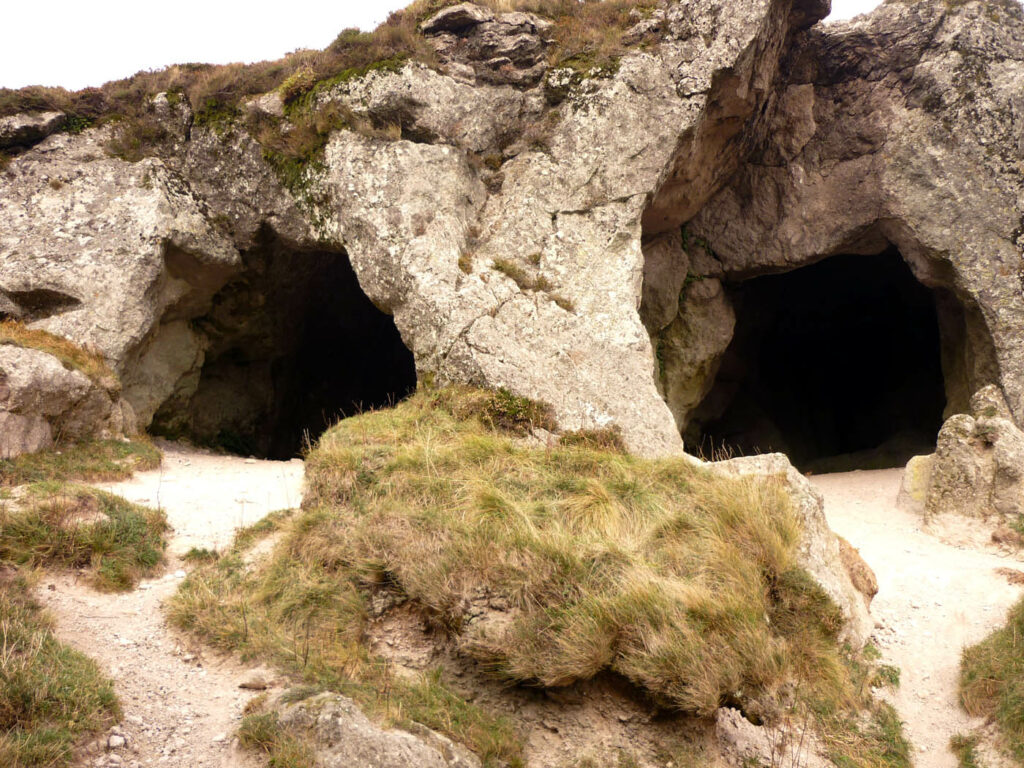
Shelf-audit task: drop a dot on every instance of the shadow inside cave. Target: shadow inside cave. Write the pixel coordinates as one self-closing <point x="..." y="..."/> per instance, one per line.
<point x="294" y="345"/>
<point x="837" y="364"/>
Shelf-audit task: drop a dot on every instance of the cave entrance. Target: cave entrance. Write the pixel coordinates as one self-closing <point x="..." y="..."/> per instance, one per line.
<point x="838" y="365"/>
<point x="294" y="345"/>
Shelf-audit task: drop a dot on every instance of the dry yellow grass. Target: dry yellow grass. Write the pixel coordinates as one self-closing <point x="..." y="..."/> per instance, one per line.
<point x="69" y="353"/>
<point x="680" y="580"/>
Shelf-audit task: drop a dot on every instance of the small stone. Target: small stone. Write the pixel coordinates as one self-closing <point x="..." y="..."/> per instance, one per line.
<point x="116" y="741"/>
<point x="255" y="683"/>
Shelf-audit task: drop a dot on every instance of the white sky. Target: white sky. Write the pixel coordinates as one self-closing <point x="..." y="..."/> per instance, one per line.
<point x="78" y="43"/>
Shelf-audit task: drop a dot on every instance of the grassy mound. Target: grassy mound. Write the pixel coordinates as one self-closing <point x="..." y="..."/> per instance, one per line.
<point x="992" y="680"/>
<point x="50" y="695"/>
<point x="89" y="461"/>
<point x="548" y="566"/>
<point x="75" y="527"/>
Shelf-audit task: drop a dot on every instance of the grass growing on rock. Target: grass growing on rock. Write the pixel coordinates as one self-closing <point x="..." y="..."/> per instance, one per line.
<point x="50" y="695"/>
<point x="548" y="566"/>
<point x="992" y="680"/>
<point x="87" y="461"/>
<point x="70" y="354"/>
<point x="587" y="36"/>
<point x="66" y="526"/>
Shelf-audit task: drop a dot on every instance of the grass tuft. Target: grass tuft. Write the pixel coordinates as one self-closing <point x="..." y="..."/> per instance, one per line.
<point x="50" y="695"/>
<point x="965" y="748"/>
<point x="77" y="527"/>
<point x="88" y="461"/>
<point x="70" y="354"/>
<point x="992" y="680"/>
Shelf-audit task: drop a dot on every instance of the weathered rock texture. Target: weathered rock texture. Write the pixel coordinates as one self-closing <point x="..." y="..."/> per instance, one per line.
<point x="523" y="271"/>
<point x="345" y="737"/>
<point x="42" y="401"/>
<point x="978" y="467"/>
<point x="527" y="213"/>
<point x="903" y="128"/>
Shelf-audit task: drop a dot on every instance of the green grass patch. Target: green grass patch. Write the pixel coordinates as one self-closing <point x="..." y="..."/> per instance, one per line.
<point x="88" y="461"/>
<point x="966" y="750"/>
<point x="992" y="680"/>
<point x="263" y="732"/>
<point x="68" y="526"/>
<point x="50" y="696"/>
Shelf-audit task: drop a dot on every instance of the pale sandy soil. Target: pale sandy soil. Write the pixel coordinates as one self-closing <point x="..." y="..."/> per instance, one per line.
<point x="181" y="705"/>
<point x="934" y="598"/>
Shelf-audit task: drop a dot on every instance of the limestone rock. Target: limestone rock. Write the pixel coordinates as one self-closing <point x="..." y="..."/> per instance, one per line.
<point x="690" y="349"/>
<point x="820" y="553"/>
<point x="917" y="479"/>
<point x="29" y="128"/>
<point x="901" y="127"/>
<point x="345" y="737"/>
<point x="978" y="468"/>
<point x="42" y="401"/>
<point x="456" y="18"/>
<point x="505" y="48"/>
<point x="123" y="251"/>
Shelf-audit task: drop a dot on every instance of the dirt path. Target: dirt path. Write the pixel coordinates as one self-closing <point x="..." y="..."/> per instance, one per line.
<point x="181" y="705"/>
<point x="933" y="600"/>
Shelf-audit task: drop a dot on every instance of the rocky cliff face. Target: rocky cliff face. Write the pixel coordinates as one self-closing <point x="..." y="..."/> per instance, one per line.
<point x="577" y="235"/>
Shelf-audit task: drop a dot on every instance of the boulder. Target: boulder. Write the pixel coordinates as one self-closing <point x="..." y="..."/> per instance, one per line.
<point x="500" y="49"/>
<point x="978" y="467"/>
<point x="917" y="479"/>
<point x="42" y="402"/>
<point x="344" y="737"/>
<point x="29" y="128"/>
<point x="124" y="253"/>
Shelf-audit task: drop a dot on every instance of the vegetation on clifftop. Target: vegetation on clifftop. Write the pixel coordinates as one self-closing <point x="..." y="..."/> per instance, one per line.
<point x="586" y="33"/>
<point x="548" y="566"/>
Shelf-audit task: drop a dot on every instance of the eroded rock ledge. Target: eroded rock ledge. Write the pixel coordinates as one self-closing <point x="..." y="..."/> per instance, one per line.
<point x="575" y="235"/>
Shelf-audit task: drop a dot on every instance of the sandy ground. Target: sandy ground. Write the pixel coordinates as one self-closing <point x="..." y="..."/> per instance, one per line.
<point x="933" y="599"/>
<point x="181" y="705"/>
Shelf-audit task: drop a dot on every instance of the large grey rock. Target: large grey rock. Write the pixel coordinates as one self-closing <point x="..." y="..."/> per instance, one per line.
<point x="41" y="402"/>
<point x="978" y="467"/>
<point x="476" y="44"/>
<point x="902" y="127"/>
<point x="820" y="553"/>
<point x="345" y="737"/>
<point x="129" y="247"/>
<point x="29" y="128"/>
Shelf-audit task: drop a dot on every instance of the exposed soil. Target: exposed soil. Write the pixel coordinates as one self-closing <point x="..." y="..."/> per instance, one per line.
<point x="934" y="598"/>
<point x="181" y="704"/>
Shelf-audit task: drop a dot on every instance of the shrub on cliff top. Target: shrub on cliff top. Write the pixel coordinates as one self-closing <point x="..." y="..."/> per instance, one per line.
<point x="590" y="30"/>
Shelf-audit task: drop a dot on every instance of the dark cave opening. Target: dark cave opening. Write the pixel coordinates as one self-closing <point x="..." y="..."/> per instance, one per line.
<point x="838" y="365"/>
<point x="294" y="345"/>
